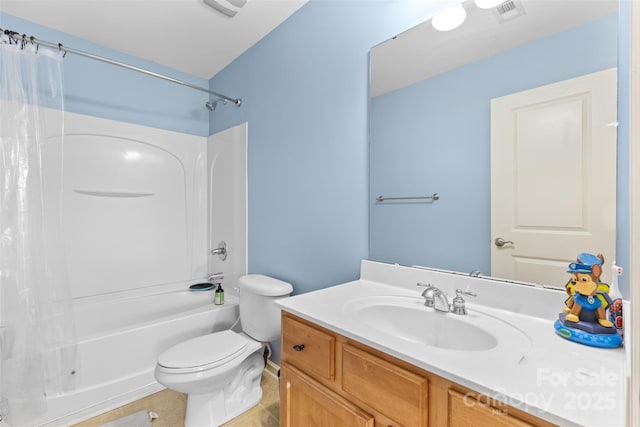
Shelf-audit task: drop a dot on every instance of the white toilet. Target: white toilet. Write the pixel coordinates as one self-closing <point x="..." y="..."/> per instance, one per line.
<point x="221" y="372"/>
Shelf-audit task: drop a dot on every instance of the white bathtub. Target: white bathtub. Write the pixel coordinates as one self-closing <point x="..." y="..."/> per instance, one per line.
<point x="119" y="340"/>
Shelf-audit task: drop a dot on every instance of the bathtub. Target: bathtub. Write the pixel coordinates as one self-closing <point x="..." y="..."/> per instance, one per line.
<point x="119" y="340"/>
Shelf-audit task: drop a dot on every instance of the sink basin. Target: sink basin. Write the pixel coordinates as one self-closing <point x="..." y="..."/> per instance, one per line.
<point x="407" y="318"/>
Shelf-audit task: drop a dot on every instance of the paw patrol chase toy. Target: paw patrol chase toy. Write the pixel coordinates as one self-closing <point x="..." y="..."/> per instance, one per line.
<point x="584" y="319"/>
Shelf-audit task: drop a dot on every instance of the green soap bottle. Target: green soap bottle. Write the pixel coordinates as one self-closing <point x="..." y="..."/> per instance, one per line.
<point x="219" y="295"/>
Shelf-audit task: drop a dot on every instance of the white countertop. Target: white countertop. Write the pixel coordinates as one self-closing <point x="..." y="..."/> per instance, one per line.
<point x="561" y="381"/>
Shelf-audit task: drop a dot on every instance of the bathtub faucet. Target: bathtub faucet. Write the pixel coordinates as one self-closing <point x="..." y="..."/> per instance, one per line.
<point x="221" y="250"/>
<point x="216" y="278"/>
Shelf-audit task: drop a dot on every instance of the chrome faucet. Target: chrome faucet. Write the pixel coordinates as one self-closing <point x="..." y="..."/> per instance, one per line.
<point x="441" y="301"/>
<point x="437" y="299"/>
<point x="215" y="278"/>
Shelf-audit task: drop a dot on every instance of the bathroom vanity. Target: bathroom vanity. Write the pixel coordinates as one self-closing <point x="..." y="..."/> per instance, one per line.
<point x="347" y="383"/>
<point x="368" y="353"/>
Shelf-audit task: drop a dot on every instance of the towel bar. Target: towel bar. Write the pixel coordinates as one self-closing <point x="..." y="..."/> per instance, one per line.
<point x="434" y="197"/>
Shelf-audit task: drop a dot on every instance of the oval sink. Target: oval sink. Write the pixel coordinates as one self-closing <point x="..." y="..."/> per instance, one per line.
<point x="408" y="319"/>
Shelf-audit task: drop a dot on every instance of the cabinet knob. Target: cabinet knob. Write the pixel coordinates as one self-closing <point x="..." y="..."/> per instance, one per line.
<point x="298" y="347"/>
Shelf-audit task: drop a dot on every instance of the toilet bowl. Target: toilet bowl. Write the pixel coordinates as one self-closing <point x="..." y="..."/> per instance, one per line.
<point x="221" y="372"/>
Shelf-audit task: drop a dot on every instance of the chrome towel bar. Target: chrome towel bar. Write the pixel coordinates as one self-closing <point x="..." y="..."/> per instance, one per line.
<point x="433" y="197"/>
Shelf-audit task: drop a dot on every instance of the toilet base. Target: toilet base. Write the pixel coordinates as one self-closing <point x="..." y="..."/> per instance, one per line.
<point x="218" y="407"/>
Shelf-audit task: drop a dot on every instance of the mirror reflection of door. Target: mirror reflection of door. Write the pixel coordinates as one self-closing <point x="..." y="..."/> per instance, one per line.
<point x="430" y="126"/>
<point x="551" y="217"/>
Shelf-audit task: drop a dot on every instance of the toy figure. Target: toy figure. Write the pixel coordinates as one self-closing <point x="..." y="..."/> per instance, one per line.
<point x="586" y="295"/>
<point x="584" y="318"/>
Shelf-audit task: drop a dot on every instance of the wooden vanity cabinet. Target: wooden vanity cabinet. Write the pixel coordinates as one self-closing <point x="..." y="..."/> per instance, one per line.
<point x="312" y="349"/>
<point x="308" y="403"/>
<point x="328" y="380"/>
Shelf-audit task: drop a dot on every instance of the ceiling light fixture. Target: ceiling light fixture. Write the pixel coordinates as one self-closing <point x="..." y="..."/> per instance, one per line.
<point x="450" y="19"/>
<point x="488" y="4"/>
<point x="226" y="7"/>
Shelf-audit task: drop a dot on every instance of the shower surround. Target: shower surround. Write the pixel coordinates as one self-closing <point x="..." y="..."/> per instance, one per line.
<point x="140" y="207"/>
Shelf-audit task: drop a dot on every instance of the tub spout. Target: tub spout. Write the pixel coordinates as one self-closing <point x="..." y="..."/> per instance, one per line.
<point x="215" y="277"/>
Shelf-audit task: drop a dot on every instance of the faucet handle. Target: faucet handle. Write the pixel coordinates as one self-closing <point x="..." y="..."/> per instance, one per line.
<point x="428" y="294"/>
<point x="458" y="305"/>
<point x="428" y="285"/>
<point x="460" y="292"/>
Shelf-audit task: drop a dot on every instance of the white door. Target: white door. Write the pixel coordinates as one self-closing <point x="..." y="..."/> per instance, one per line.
<point x="553" y="177"/>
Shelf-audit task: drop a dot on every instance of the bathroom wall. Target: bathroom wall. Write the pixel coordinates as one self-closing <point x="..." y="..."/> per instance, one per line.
<point x="305" y="96"/>
<point x="111" y="92"/>
<point x="304" y="88"/>
<point x="305" y="93"/>
<point x="307" y="106"/>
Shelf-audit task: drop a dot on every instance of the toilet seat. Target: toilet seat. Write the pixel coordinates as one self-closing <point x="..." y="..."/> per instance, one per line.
<point x="203" y="352"/>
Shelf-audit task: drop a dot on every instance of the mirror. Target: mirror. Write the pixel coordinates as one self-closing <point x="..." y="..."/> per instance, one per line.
<point x="430" y="122"/>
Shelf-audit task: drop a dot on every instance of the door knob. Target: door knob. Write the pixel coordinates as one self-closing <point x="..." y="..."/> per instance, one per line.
<point x="500" y="242"/>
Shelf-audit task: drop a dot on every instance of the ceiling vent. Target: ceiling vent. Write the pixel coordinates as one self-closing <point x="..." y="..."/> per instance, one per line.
<point x="226" y="7"/>
<point x="509" y="10"/>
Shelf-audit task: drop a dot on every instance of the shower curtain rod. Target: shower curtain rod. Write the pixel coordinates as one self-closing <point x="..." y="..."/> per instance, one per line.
<point x="24" y="39"/>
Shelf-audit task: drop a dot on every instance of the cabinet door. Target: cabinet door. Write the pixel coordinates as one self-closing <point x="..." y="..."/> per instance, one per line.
<point x="387" y="388"/>
<point x="308" y="348"/>
<point x="304" y="402"/>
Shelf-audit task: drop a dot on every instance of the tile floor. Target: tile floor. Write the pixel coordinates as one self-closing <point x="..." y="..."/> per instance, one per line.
<point x="170" y="407"/>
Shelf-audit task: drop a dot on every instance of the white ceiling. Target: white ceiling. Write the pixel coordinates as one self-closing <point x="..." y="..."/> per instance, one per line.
<point x="189" y="36"/>
<point x="422" y="52"/>
<point x="185" y="35"/>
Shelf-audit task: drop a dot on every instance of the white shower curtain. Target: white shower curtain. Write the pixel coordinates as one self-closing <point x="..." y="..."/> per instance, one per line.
<point x="37" y="334"/>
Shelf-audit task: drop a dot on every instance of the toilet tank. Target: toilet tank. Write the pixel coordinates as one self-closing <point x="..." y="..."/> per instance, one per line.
<point x="259" y="314"/>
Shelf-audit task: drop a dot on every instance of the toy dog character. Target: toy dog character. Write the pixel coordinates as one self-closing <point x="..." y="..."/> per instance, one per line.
<point x="583" y="288"/>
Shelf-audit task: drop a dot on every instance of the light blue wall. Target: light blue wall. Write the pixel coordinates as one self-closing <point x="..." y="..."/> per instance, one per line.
<point x="103" y="90"/>
<point x="305" y="92"/>
<point x="434" y="136"/>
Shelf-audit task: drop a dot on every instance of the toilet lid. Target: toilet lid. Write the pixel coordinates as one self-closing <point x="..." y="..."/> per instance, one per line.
<point x="203" y="350"/>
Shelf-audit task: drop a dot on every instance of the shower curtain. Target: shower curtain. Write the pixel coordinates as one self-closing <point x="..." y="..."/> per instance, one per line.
<point x="37" y="335"/>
